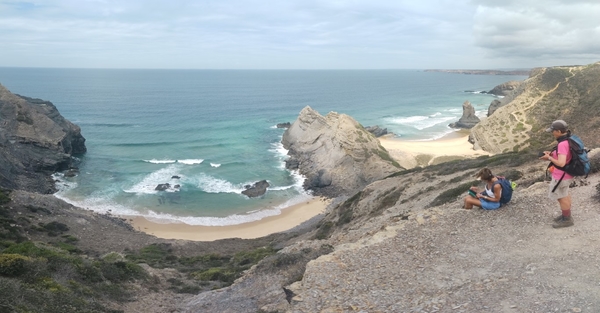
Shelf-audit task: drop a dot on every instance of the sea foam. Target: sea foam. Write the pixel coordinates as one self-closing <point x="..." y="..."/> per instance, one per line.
<point x="234" y="219"/>
<point x="155" y="161"/>
<point x="191" y="161"/>
<point x="148" y="184"/>
<point x="420" y="122"/>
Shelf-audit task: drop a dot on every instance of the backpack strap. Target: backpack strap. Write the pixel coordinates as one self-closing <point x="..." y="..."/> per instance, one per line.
<point x="558" y="183"/>
<point x="550" y="164"/>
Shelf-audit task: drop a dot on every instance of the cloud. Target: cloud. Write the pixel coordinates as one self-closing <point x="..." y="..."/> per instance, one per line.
<point x="551" y="30"/>
<point x="295" y="33"/>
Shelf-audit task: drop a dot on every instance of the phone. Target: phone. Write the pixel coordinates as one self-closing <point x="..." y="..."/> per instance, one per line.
<point x="472" y="193"/>
<point x="541" y="154"/>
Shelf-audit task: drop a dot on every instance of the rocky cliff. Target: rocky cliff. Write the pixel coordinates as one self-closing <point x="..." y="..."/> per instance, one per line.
<point x="568" y="93"/>
<point x="336" y="154"/>
<point x="36" y="141"/>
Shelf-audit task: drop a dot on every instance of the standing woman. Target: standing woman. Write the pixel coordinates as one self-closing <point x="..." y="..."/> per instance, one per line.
<point x="559" y="158"/>
<point x="489" y="198"/>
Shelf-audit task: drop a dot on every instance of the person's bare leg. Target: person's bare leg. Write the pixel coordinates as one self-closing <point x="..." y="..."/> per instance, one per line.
<point x="565" y="205"/>
<point x="470" y="202"/>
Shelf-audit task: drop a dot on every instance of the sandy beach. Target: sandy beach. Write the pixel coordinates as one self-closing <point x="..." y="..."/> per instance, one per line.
<point x="288" y="219"/>
<point x="410" y="154"/>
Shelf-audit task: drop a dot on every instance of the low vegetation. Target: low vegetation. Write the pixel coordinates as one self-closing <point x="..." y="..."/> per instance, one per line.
<point x="56" y="276"/>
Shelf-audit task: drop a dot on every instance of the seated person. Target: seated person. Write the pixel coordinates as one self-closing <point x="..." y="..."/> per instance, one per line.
<point x="488" y="199"/>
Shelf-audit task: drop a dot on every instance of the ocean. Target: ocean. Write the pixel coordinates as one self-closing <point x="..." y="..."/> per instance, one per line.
<point x="209" y="133"/>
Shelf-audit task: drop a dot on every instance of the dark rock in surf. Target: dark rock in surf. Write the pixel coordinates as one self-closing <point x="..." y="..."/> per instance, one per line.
<point x="376" y="130"/>
<point x="256" y="190"/>
<point x="284" y="125"/>
<point x="162" y="187"/>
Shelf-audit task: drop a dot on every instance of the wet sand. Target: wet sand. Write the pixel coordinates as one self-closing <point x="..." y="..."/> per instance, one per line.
<point x="288" y="219"/>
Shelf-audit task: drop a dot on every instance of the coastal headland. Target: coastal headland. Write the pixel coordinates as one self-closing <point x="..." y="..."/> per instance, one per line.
<point x="483" y="72"/>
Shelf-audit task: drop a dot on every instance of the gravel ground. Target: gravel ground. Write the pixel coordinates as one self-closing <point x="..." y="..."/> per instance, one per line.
<point x="447" y="259"/>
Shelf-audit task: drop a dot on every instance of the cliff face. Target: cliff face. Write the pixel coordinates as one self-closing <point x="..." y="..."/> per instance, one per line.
<point x="568" y="93"/>
<point x="335" y="153"/>
<point x="36" y="141"/>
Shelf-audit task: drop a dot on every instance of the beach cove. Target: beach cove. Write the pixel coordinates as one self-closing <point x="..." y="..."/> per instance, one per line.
<point x="211" y="133"/>
<point x="406" y="152"/>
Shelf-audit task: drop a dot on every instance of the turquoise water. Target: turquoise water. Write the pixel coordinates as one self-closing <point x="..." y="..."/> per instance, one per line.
<point x="215" y="130"/>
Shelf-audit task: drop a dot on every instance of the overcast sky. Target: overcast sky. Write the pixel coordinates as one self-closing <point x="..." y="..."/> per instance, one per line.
<point x="299" y="34"/>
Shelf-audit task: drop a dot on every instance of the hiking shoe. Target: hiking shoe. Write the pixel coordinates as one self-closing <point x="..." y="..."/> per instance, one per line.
<point x="563" y="222"/>
<point x="558" y="218"/>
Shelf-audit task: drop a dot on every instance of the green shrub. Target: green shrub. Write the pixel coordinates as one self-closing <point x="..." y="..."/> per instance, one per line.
<point x="248" y="258"/>
<point x="226" y="275"/>
<point x="13" y="264"/>
<point x="4" y="196"/>
<point x="121" y="271"/>
<point x="324" y="230"/>
<point x="157" y="255"/>
<point x="451" y="194"/>
<point x="67" y="247"/>
<point x="54" y="228"/>
<point x="205" y="261"/>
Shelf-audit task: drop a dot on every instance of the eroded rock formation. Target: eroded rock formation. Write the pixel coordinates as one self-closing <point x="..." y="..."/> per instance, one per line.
<point x="336" y="154"/>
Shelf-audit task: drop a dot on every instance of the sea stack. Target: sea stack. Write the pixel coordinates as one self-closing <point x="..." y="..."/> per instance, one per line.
<point x="336" y="154"/>
<point x="468" y="118"/>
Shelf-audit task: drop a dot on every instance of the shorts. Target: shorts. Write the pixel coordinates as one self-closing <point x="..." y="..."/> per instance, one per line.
<point x="561" y="191"/>
<point x="489" y="205"/>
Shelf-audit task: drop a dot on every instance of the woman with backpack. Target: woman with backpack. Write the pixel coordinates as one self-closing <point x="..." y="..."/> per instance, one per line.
<point x="489" y="198"/>
<point x="559" y="186"/>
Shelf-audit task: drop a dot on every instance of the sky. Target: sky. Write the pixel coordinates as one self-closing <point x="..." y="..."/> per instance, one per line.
<point x="299" y="34"/>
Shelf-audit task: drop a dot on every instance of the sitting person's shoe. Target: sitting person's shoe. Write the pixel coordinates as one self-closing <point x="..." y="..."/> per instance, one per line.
<point x="562" y="221"/>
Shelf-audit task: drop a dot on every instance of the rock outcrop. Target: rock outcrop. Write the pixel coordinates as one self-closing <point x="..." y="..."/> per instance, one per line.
<point x="570" y="93"/>
<point x="505" y="89"/>
<point x="377" y="131"/>
<point x="494" y="105"/>
<point x="336" y="154"/>
<point x="257" y="189"/>
<point x="468" y="118"/>
<point x="36" y="142"/>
